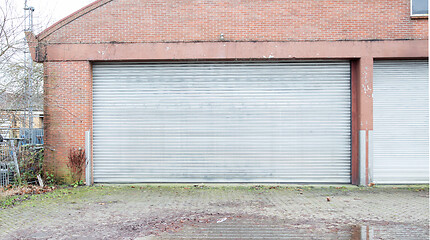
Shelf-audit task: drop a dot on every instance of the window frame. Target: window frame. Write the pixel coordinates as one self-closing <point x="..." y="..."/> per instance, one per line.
<point x="417" y="15"/>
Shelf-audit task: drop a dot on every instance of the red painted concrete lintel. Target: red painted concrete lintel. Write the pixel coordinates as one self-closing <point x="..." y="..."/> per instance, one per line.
<point x="235" y="50"/>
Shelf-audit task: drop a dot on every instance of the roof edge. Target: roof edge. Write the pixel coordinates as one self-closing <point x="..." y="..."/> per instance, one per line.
<point x="70" y="18"/>
<point x="32" y="44"/>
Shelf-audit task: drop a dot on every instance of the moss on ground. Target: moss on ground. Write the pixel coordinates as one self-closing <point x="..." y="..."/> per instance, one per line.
<point x="79" y="194"/>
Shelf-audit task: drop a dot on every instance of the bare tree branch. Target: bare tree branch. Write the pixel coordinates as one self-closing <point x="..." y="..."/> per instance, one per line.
<point x="14" y="73"/>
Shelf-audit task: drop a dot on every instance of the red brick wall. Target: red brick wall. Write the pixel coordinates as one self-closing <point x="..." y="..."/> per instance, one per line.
<point x="68" y="101"/>
<point x="244" y="20"/>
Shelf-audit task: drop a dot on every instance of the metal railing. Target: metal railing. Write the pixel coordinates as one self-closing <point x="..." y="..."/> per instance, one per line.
<point x="4" y="174"/>
<point x="11" y="147"/>
<point x="34" y="136"/>
<point x="5" y="160"/>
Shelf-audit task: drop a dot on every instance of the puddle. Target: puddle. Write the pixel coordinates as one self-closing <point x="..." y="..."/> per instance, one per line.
<point x="259" y="228"/>
<point x="392" y="231"/>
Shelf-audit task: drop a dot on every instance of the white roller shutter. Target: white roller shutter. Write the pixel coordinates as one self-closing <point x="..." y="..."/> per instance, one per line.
<point x="222" y="122"/>
<point x="401" y="122"/>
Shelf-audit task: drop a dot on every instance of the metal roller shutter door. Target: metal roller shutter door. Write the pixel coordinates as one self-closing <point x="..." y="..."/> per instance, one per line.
<point x="222" y="122"/>
<point x="401" y="122"/>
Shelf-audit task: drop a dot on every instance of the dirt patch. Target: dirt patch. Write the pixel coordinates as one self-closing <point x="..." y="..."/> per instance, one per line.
<point x="167" y="222"/>
<point x="154" y="224"/>
<point x="235" y="204"/>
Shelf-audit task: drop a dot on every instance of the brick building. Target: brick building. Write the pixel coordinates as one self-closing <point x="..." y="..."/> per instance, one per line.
<point x="240" y="90"/>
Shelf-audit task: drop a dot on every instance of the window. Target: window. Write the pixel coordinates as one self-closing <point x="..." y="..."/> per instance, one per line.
<point x="419" y="8"/>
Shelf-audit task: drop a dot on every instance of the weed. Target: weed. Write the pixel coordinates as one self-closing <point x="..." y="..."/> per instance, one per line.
<point x="49" y="179"/>
<point x="78" y="183"/>
<point x="76" y="162"/>
<point x="13" y="200"/>
<point x="30" y="161"/>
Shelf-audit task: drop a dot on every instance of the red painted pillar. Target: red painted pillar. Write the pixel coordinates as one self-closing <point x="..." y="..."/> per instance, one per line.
<point x="365" y="118"/>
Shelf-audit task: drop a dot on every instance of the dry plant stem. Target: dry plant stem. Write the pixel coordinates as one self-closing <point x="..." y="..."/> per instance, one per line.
<point x="76" y="162"/>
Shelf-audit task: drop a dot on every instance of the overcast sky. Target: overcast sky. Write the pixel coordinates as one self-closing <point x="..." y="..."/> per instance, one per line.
<point x="48" y="12"/>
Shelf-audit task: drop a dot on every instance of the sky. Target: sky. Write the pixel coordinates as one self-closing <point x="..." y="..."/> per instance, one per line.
<point x="47" y="12"/>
